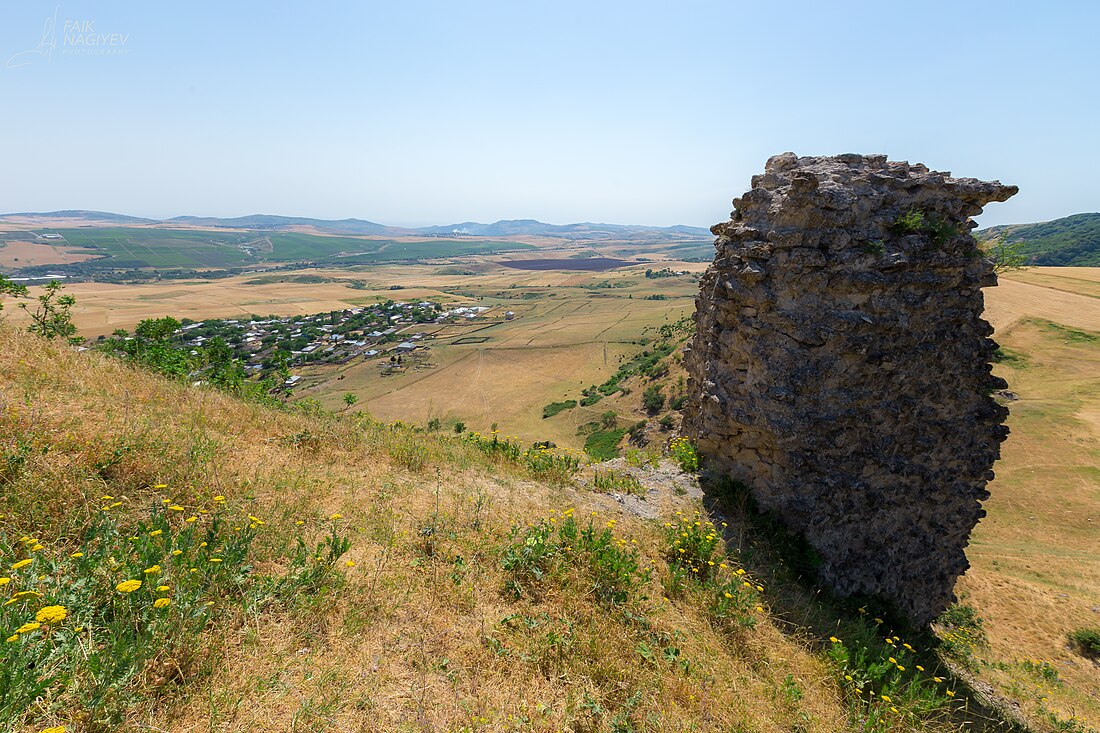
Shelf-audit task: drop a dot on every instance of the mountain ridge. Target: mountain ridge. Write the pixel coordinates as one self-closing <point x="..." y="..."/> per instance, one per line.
<point x="355" y="226"/>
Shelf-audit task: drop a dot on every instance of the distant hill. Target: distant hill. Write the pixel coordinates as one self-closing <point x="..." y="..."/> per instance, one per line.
<point x="270" y="222"/>
<point x="1070" y="241"/>
<point x="502" y="228"/>
<point x="586" y="230"/>
<point x="104" y="216"/>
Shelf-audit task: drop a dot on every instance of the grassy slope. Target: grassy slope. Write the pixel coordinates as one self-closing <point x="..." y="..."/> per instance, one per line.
<point x="1036" y="557"/>
<point x="1072" y="240"/>
<point x="403" y="645"/>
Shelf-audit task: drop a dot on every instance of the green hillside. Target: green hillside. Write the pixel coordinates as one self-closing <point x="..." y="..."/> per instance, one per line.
<point x="1070" y="241"/>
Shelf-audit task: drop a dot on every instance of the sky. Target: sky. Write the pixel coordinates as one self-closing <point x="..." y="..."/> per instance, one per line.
<point x="412" y="113"/>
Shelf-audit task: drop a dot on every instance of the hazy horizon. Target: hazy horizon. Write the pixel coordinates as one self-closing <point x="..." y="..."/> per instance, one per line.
<point x="432" y="113"/>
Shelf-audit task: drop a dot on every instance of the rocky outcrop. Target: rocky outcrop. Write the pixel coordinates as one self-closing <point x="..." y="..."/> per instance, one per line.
<point x="841" y="367"/>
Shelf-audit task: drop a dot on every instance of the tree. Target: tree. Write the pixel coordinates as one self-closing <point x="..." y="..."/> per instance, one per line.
<point x="350" y="400"/>
<point x="53" y="316"/>
<point x="7" y="287"/>
<point x="1006" y="256"/>
<point x="157" y="329"/>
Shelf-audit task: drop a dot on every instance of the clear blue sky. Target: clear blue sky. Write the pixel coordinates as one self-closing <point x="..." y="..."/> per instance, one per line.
<point x="410" y="112"/>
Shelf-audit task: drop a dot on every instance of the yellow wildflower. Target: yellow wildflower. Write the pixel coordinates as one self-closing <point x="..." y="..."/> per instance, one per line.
<point x="156" y="533"/>
<point x="336" y="516"/>
<point x="161" y="603"/>
<point x="834" y="639"/>
<point x="189" y="520"/>
<point x="27" y="628"/>
<point x="5" y="581"/>
<point x="128" y="586"/>
<point x="350" y="563"/>
<point x="219" y="499"/>
<point x="38" y="547"/>
<point x="161" y="486"/>
<point x="152" y="570"/>
<point x="52" y="615"/>
<point x="77" y="554"/>
<point x="55" y="729"/>
<point x="176" y="553"/>
<point x="162" y="588"/>
<point x="13" y="637"/>
<point x="215" y="559"/>
<point x="21" y="564"/>
<point x="175" y="508"/>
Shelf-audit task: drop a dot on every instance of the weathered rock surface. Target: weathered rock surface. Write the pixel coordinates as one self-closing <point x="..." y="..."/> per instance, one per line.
<point x="841" y="367"/>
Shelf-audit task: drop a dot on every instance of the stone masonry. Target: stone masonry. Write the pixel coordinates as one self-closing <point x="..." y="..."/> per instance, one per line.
<point x="841" y="367"/>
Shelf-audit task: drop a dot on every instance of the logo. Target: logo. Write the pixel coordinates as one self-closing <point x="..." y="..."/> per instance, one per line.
<point x="79" y="37"/>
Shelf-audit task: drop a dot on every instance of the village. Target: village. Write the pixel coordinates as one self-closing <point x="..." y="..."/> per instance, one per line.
<point x="394" y="332"/>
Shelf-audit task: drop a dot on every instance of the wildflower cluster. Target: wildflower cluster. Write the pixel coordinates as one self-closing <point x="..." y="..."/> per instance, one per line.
<point x="79" y="623"/>
<point x="697" y="561"/>
<point x="608" y="563"/>
<point x="887" y="684"/>
<point x="684" y="453"/>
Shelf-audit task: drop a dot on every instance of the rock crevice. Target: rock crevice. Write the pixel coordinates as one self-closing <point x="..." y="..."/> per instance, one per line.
<point x="841" y="367"/>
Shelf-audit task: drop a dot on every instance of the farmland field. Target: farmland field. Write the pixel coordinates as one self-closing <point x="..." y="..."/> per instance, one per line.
<point x="15" y="253"/>
<point x="130" y="248"/>
<point x="585" y="264"/>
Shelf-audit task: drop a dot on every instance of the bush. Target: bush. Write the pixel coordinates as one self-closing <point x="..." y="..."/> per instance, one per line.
<point x="603" y="445"/>
<point x="555" y="407"/>
<point x="653" y="399"/>
<point x="1087" y="641"/>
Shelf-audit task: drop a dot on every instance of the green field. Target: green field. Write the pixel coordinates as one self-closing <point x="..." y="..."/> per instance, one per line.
<point x="129" y="248"/>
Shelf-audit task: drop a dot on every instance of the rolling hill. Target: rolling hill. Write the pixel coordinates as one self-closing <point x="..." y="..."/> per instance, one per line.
<point x="1069" y="241"/>
<point x="361" y="227"/>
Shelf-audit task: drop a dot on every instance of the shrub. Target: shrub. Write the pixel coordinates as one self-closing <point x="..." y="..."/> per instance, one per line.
<point x="555" y="407"/>
<point x="603" y="445"/>
<point x="652" y="398"/>
<point x="1087" y="641"/>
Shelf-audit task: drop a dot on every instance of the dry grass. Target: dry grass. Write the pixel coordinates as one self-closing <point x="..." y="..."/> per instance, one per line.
<point x="1036" y="556"/>
<point x="418" y="640"/>
<point x="27" y="254"/>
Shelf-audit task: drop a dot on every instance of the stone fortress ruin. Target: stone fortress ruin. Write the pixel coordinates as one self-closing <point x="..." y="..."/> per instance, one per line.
<point x="841" y="367"/>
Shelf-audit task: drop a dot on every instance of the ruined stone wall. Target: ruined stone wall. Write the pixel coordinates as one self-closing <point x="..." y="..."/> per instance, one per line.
<point x="841" y="367"/>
